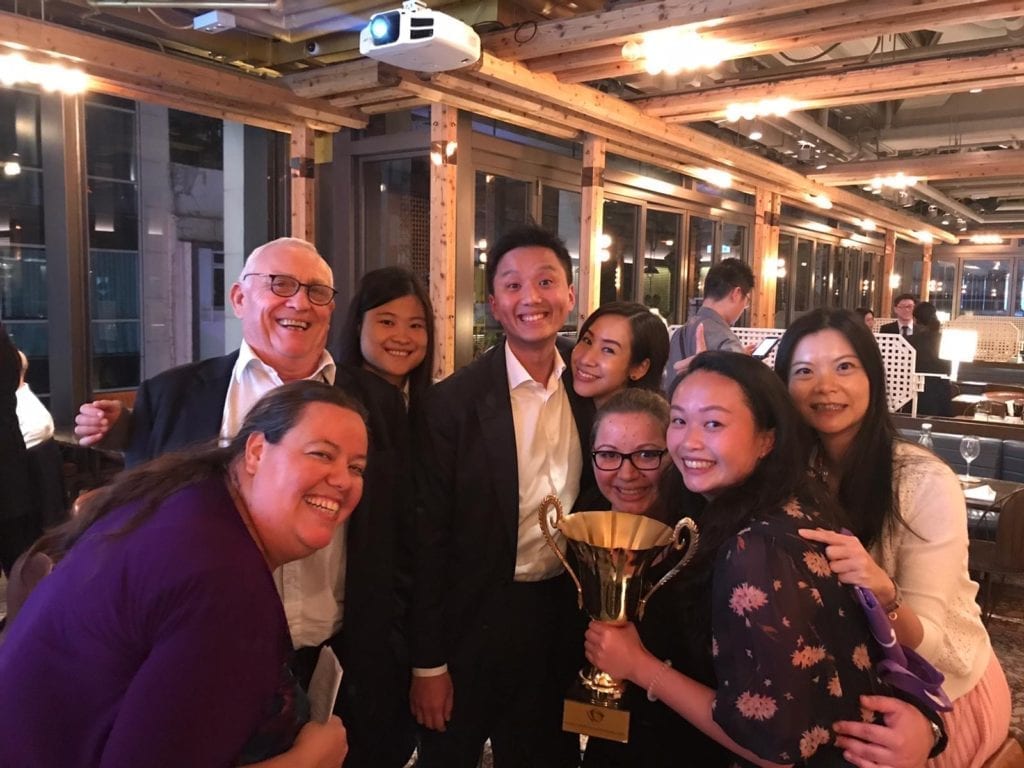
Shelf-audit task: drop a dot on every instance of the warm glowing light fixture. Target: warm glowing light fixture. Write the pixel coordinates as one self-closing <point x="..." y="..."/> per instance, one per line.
<point x="443" y="152"/>
<point x="720" y="179"/>
<point x="924" y="237"/>
<point x="866" y="224"/>
<point x="896" y="181"/>
<point x="894" y="281"/>
<point x="673" y="50"/>
<point x="12" y="165"/>
<point x="15" y="68"/>
<point x="986" y="239"/>
<point x="820" y="200"/>
<point x="752" y="110"/>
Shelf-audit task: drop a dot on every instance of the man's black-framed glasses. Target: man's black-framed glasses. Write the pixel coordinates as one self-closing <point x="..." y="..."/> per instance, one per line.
<point x="286" y="286"/>
<point x="648" y="458"/>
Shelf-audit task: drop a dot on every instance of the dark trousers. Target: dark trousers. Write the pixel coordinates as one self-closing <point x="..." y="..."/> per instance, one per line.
<point x="381" y="731"/>
<point x="16" y="535"/>
<point x="510" y="674"/>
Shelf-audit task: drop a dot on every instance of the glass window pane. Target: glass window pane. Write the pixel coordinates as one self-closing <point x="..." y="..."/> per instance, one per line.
<point x="661" y="263"/>
<point x="783" y="282"/>
<point x="822" y="279"/>
<point x="21" y="207"/>
<point x="803" y="271"/>
<point x="501" y="203"/>
<point x="19" y="126"/>
<point x="113" y="215"/>
<point x="942" y="285"/>
<point x="734" y="241"/>
<point x="195" y="140"/>
<point x="396" y="214"/>
<point x="617" y="273"/>
<point x="699" y="255"/>
<point x="560" y="212"/>
<point x="985" y="288"/>
<point x="110" y="142"/>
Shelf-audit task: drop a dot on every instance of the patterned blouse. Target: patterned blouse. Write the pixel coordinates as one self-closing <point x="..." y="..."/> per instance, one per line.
<point x="791" y="649"/>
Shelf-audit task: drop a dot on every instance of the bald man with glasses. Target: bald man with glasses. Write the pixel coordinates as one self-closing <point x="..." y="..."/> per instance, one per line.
<point x="344" y="595"/>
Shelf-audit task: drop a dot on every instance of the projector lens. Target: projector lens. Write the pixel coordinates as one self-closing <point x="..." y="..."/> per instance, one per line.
<point x="384" y="28"/>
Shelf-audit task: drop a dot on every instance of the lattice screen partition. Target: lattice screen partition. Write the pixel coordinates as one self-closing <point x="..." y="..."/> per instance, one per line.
<point x="998" y="337"/>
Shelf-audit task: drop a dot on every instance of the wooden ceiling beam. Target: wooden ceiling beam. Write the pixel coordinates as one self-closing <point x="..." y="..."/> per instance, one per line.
<point x="595" y="29"/>
<point x="115" y="61"/>
<point x="962" y="165"/>
<point x="347" y="77"/>
<point x="823" y="26"/>
<point x="862" y="85"/>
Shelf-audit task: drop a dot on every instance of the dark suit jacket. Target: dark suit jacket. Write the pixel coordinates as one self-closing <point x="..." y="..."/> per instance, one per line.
<point x="185" y="405"/>
<point x="893" y="327"/>
<point x="468" y="501"/>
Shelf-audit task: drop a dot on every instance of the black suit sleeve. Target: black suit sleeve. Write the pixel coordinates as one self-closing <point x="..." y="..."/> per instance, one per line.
<point x="436" y="437"/>
<point x="139" y="448"/>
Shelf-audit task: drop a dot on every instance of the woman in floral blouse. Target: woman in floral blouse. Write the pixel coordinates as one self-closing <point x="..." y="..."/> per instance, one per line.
<point x="757" y="645"/>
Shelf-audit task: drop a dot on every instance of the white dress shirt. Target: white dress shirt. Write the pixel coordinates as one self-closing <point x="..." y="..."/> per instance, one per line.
<point x="35" y="421"/>
<point x="549" y="459"/>
<point x="312" y="589"/>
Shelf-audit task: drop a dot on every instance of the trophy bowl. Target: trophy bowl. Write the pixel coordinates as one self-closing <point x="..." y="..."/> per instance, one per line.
<point x="614" y="551"/>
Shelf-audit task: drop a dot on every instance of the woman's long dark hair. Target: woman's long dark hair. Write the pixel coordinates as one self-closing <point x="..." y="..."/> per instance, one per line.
<point x="780" y="476"/>
<point x="273" y="416"/>
<point x="649" y="339"/>
<point x="866" y="471"/>
<point x="378" y="287"/>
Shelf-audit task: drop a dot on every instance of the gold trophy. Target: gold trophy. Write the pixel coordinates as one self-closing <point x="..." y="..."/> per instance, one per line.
<point x="614" y="549"/>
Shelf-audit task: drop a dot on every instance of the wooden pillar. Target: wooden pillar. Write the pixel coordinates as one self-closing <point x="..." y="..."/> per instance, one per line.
<point x="303" y="182"/>
<point x="767" y="209"/>
<point x="588" y="292"/>
<point x="926" y="270"/>
<point x="888" y="267"/>
<point x="443" y="177"/>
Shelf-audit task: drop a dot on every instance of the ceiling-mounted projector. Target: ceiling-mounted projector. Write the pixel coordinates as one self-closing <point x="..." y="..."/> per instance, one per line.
<point x="417" y="38"/>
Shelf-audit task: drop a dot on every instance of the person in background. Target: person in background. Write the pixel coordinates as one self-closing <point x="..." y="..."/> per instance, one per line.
<point x="621" y="344"/>
<point x="163" y="609"/>
<point x="46" y="464"/>
<point x="389" y="330"/>
<point x="344" y="594"/>
<point x="903" y="306"/>
<point x="907" y="515"/>
<point x="18" y="526"/>
<point x="628" y="449"/>
<point x="495" y="624"/>
<point x="867" y="315"/>
<point x="727" y="290"/>
<point x="937" y="397"/>
<point x="755" y="649"/>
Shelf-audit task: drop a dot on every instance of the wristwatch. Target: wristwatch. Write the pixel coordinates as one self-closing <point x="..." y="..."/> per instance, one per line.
<point x="891" y="608"/>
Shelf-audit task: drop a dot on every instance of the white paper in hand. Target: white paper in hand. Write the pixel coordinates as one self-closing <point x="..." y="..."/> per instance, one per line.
<point x="323" y="686"/>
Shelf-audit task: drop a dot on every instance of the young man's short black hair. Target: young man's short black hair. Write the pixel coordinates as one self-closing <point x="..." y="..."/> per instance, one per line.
<point x="524" y="236"/>
<point x="725" y="276"/>
<point x="904" y="297"/>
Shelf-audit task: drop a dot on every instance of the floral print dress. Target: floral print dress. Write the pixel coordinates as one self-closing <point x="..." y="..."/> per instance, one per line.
<point x="791" y="648"/>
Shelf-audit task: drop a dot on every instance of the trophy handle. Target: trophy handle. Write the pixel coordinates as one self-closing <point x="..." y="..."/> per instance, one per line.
<point x="542" y="517"/>
<point x="693" y="537"/>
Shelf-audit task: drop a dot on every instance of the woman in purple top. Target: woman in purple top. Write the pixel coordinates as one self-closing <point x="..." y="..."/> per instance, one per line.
<point x="159" y="638"/>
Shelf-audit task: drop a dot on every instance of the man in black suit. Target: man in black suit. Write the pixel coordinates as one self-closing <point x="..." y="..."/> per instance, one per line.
<point x="496" y="633"/>
<point x="903" y="307"/>
<point x="285" y="298"/>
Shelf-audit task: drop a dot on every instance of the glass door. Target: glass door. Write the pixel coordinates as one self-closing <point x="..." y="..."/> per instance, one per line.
<point x="619" y="251"/>
<point x="660" y="280"/>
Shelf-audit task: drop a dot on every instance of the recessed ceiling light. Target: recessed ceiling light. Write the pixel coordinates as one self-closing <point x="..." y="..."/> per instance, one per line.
<point x="975" y="90"/>
<point x="823" y="166"/>
<point x="756" y="135"/>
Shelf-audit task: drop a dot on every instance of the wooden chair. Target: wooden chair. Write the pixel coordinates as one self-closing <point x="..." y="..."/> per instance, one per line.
<point x="1002" y="557"/>
<point x="1009" y="755"/>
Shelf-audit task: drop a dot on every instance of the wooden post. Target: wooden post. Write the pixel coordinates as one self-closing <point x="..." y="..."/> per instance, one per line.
<point x="767" y="209"/>
<point x="888" y="266"/>
<point x="588" y="292"/>
<point x="926" y="270"/>
<point x="303" y="183"/>
<point x="443" y="177"/>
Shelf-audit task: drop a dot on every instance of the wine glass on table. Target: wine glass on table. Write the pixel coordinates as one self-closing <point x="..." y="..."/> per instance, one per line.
<point x="970" y="449"/>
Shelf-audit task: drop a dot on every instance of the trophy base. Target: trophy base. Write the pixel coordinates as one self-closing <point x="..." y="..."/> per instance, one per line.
<point x="595" y="715"/>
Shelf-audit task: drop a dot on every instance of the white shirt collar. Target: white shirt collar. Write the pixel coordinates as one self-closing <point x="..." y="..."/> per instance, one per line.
<point x="325" y="370"/>
<point x="517" y="373"/>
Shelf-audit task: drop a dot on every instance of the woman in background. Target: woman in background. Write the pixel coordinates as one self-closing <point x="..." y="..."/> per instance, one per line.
<point x="907" y="513"/>
<point x="389" y="330"/>
<point x="162" y="613"/>
<point x="867" y="315"/>
<point x="937" y="397"/>
<point x="621" y="344"/>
